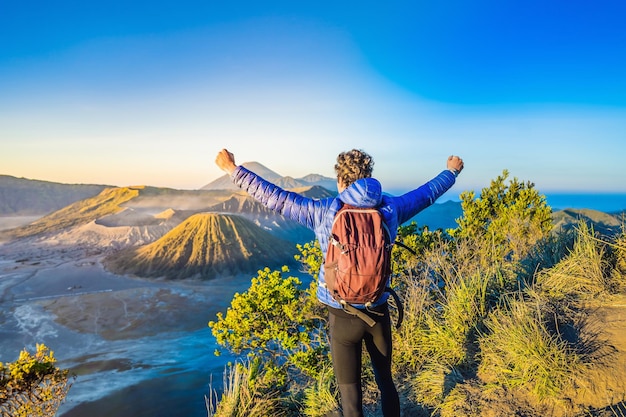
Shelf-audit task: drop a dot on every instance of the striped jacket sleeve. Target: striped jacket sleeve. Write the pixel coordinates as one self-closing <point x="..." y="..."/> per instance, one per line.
<point x="287" y="203"/>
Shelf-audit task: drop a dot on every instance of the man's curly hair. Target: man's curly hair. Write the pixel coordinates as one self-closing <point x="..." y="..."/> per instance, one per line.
<point x="353" y="165"/>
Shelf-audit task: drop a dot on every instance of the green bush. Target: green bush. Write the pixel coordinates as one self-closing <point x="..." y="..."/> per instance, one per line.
<point x="32" y="385"/>
<point x="505" y="222"/>
<point x="278" y="320"/>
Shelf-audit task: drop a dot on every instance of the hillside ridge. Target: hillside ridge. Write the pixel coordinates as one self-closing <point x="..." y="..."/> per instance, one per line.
<point x="225" y="183"/>
<point x="23" y="196"/>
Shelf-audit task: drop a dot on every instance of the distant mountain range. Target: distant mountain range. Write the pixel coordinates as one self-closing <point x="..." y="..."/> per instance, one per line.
<point x="163" y="232"/>
<point x="603" y="223"/>
<point x="225" y="183"/>
<point x="159" y="232"/>
<point x="24" y="197"/>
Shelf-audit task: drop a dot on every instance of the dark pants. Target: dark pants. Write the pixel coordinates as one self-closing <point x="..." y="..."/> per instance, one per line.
<point x="347" y="334"/>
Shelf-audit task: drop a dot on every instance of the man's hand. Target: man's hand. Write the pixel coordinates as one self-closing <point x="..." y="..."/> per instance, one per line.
<point x="226" y="161"/>
<point x="455" y="164"/>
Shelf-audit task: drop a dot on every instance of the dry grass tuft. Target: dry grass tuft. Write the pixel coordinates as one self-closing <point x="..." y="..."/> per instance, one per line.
<point x="246" y="395"/>
<point x="321" y="397"/>
<point x="580" y="275"/>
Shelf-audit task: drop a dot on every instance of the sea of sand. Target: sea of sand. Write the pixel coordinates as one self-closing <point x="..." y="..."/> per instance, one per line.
<point x="137" y="347"/>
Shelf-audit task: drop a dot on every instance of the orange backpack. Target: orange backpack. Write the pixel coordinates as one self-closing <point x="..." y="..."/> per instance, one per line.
<point x="358" y="260"/>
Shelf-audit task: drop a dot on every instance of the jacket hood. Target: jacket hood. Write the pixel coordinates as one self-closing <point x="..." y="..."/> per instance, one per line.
<point x="365" y="192"/>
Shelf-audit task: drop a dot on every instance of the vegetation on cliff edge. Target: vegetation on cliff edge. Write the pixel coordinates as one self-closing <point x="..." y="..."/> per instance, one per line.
<point x="495" y="321"/>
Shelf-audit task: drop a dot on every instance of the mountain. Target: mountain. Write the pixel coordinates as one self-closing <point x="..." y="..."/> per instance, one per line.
<point x="154" y="210"/>
<point x="439" y="216"/>
<point x="315" y="191"/>
<point x="316" y="179"/>
<point x="122" y="206"/>
<point x="267" y="219"/>
<point x="444" y="215"/>
<point x="90" y="209"/>
<point x="203" y="246"/>
<point x="224" y="182"/>
<point x="25" y="197"/>
<point x="152" y="228"/>
<point x="603" y="223"/>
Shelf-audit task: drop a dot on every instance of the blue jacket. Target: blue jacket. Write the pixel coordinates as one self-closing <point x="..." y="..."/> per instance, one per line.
<point x="318" y="214"/>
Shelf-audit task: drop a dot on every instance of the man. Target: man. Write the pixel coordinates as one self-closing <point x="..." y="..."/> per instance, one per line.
<point x="347" y="332"/>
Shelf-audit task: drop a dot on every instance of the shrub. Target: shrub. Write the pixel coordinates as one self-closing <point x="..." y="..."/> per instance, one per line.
<point x="32" y="385"/>
<point x="275" y="319"/>
<point x="504" y="222"/>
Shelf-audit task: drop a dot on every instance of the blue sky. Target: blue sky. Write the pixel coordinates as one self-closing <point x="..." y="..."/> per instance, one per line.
<point x="126" y="93"/>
